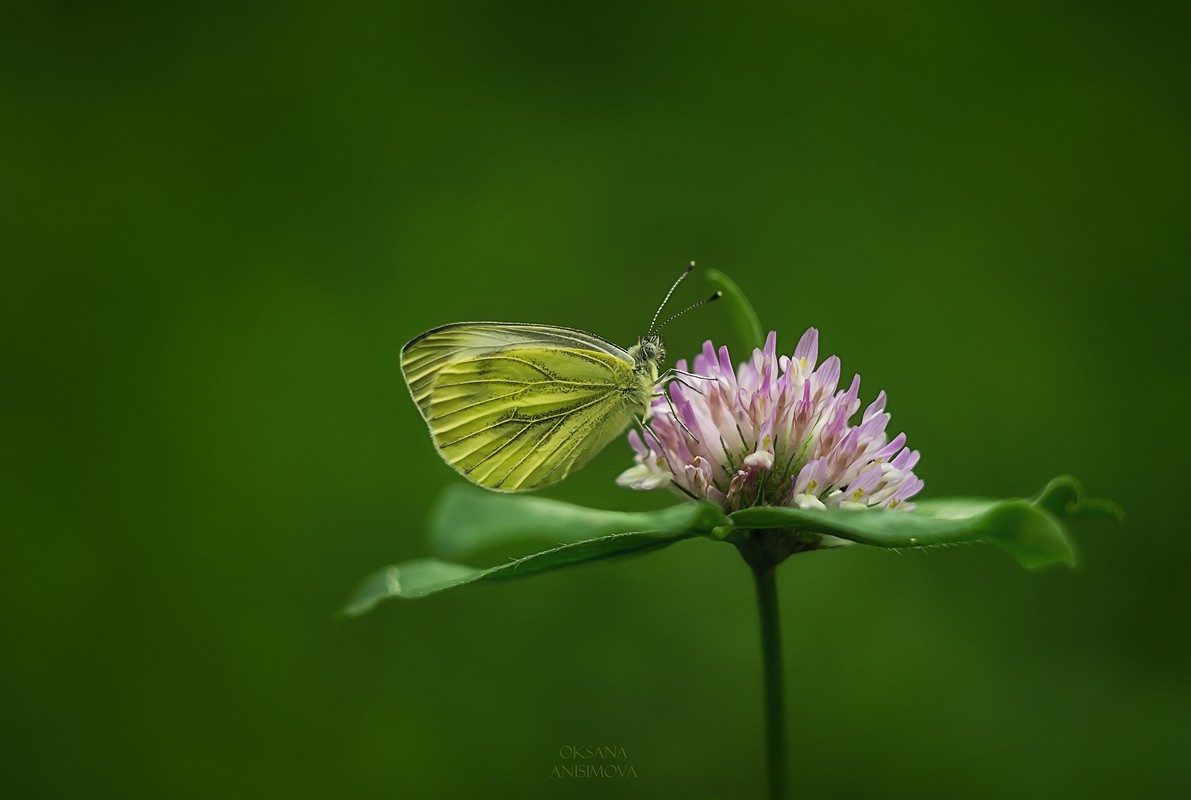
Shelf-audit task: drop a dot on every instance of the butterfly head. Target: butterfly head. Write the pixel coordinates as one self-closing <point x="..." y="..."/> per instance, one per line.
<point x="649" y="349"/>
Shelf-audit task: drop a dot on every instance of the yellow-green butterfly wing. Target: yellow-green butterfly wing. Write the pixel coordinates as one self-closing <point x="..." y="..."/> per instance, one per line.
<point x="516" y="407"/>
<point x="425" y="356"/>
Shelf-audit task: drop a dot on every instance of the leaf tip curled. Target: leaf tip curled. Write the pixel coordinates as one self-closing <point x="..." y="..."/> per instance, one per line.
<point x="1100" y="507"/>
<point x="1064" y="497"/>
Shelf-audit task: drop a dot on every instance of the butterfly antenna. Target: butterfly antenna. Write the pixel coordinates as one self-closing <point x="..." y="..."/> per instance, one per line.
<point x="666" y="299"/>
<point x="711" y="299"/>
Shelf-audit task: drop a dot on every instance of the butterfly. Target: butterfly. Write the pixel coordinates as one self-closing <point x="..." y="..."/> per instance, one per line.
<point x="515" y="407"/>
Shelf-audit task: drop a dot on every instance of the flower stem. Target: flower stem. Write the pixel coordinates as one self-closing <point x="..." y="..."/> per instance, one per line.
<point x="775" y="700"/>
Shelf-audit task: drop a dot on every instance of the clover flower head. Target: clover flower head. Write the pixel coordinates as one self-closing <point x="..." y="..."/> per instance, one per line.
<point x="775" y="431"/>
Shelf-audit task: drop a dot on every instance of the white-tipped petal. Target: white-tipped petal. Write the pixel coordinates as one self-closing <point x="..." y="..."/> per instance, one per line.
<point x="774" y="430"/>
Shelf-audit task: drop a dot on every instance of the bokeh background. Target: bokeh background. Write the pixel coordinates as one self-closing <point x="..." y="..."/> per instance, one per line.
<point x="220" y="224"/>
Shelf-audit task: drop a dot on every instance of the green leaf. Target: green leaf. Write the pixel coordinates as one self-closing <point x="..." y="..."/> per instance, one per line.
<point x="1029" y="530"/>
<point x="414" y="579"/>
<point x="467" y="521"/>
<point x="411" y="579"/>
<point x="748" y="324"/>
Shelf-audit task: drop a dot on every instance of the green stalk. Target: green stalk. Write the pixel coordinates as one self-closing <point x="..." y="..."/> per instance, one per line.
<point x="775" y="700"/>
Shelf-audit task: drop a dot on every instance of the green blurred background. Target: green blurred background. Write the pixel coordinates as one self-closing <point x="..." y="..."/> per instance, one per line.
<point x="221" y="224"/>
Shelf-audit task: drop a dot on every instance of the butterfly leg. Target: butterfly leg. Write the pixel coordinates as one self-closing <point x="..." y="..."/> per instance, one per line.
<point x="677" y="418"/>
<point x="679" y="374"/>
<point x="647" y="429"/>
<point x="676" y="373"/>
<point x="683" y="489"/>
<point x="685" y="374"/>
<point x="644" y="426"/>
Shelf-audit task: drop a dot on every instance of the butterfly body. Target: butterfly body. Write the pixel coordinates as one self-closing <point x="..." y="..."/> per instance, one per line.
<point x="514" y="407"/>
